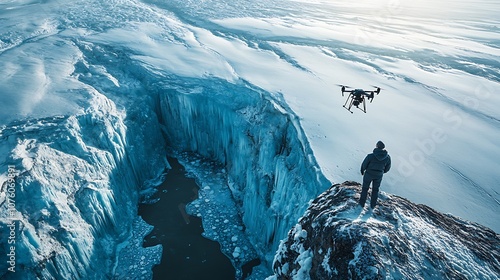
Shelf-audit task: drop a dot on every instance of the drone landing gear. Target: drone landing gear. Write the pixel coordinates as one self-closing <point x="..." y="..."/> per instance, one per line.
<point x="356" y="102"/>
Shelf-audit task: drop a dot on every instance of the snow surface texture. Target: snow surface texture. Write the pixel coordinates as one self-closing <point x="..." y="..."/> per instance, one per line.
<point x="337" y="239"/>
<point x="85" y="85"/>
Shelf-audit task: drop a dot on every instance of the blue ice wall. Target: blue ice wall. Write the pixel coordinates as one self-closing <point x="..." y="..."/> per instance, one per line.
<point x="273" y="173"/>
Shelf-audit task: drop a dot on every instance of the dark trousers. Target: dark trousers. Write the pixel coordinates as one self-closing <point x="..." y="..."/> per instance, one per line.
<point x="375" y="181"/>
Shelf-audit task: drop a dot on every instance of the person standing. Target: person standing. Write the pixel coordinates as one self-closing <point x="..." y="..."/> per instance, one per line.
<point x="373" y="168"/>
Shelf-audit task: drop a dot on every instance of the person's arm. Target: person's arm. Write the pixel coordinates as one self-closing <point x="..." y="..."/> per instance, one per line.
<point x="364" y="165"/>
<point x="388" y="164"/>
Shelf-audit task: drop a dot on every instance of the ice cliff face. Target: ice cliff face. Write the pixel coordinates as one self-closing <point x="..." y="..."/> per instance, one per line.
<point x="270" y="166"/>
<point x="398" y="240"/>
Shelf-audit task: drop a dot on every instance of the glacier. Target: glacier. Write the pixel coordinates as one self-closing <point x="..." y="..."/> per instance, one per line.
<point x="95" y="94"/>
<point x="85" y="170"/>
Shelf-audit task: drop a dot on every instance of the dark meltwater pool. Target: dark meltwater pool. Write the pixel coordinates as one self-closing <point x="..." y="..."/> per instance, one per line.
<point x="186" y="253"/>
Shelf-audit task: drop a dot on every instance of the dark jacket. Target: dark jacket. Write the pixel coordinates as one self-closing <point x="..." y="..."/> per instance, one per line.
<point x="376" y="163"/>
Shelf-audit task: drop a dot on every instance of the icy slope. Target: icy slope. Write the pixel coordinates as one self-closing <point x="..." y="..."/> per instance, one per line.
<point x="398" y="240"/>
<point x="80" y="158"/>
<point x="77" y="183"/>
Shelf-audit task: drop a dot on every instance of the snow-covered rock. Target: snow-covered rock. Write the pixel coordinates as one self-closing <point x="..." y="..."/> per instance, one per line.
<point x="336" y="239"/>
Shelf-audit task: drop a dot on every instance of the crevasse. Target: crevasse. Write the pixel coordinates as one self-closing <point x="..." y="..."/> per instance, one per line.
<point x="80" y="175"/>
<point x="270" y="166"/>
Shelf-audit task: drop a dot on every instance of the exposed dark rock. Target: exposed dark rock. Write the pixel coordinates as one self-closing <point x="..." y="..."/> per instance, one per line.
<point x="336" y="239"/>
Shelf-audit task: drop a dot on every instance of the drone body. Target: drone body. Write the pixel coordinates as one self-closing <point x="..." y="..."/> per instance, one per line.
<point x="358" y="97"/>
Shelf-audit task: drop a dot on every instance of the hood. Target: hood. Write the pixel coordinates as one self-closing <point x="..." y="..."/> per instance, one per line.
<point x="380" y="154"/>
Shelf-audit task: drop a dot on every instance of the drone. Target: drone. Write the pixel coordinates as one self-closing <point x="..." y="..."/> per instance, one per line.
<point x="358" y="97"/>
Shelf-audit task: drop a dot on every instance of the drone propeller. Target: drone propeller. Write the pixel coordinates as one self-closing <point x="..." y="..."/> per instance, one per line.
<point x="343" y="88"/>
<point x="378" y="89"/>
